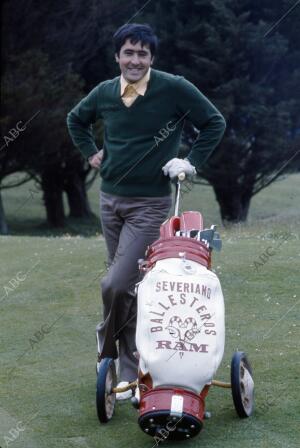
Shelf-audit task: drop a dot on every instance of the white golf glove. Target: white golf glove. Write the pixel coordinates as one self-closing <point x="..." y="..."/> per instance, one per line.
<point x="176" y="166"/>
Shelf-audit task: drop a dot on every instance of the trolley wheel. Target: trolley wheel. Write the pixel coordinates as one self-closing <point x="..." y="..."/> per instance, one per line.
<point x="105" y="398"/>
<point x="242" y="385"/>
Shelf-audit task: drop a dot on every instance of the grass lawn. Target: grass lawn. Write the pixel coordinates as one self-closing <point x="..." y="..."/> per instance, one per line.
<point x="50" y="304"/>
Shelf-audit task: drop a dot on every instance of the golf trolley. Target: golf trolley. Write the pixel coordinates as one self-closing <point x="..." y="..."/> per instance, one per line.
<point x="180" y="335"/>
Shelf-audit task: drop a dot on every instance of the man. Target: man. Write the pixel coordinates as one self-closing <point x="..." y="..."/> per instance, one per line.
<point x="143" y="112"/>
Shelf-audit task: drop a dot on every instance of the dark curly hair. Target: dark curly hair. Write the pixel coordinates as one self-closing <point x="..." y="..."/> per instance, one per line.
<point x="135" y="32"/>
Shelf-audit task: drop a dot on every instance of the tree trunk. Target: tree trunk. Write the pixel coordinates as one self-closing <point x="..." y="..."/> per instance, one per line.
<point x="3" y="224"/>
<point x="234" y="204"/>
<point x="74" y="186"/>
<point x="52" y="184"/>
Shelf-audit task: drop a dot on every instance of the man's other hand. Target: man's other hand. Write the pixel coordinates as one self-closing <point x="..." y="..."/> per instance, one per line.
<point x="95" y="160"/>
<point x="176" y="166"/>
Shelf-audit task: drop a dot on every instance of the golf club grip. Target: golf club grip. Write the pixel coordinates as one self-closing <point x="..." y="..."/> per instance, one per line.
<point x="181" y="176"/>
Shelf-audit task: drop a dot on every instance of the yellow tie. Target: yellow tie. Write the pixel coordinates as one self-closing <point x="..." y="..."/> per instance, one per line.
<point x="129" y="95"/>
<point x="129" y="91"/>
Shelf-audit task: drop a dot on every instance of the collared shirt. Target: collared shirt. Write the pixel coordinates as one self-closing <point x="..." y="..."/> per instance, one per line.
<point x="130" y="92"/>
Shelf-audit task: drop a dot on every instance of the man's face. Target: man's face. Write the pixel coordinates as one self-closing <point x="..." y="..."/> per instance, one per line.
<point x="134" y="60"/>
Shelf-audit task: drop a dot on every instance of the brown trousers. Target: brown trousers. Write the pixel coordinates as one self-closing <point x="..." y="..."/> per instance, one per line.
<point x="129" y="225"/>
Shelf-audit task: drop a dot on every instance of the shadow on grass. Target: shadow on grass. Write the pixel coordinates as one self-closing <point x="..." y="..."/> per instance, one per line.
<point x="88" y="227"/>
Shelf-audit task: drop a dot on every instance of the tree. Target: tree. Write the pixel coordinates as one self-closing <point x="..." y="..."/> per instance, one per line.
<point x="37" y="141"/>
<point x="220" y="47"/>
<point x="75" y="34"/>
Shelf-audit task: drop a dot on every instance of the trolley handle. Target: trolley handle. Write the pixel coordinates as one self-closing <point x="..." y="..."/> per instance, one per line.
<point x="180" y="178"/>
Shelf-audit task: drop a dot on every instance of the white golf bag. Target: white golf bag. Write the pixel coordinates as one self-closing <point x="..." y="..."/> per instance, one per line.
<point x="180" y="327"/>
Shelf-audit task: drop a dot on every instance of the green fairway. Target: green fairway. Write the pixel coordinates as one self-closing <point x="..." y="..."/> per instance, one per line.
<point x="50" y="304"/>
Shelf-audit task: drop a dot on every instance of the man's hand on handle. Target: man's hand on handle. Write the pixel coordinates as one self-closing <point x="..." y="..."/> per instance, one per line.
<point x="95" y="160"/>
<point x="176" y="166"/>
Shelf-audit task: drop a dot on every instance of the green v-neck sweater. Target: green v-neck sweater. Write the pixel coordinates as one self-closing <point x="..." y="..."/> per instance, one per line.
<point x="139" y="140"/>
